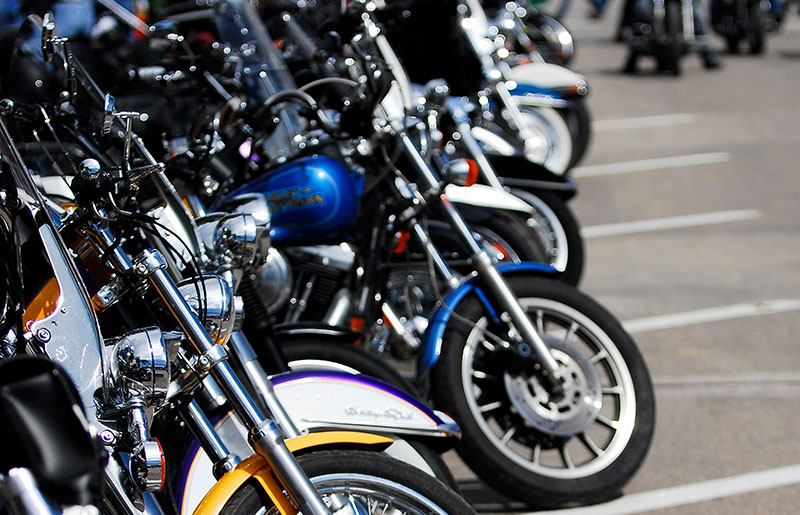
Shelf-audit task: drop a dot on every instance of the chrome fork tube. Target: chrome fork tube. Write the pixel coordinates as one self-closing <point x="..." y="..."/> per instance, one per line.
<point x="474" y="149"/>
<point x="209" y="440"/>
<point x="513" y="110"/>
<point x="489" y="274"/>
<point x="257" y="376"/>
<point x="438" y="261"/>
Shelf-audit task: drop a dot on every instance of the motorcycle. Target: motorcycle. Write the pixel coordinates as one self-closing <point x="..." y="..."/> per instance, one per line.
<point x="668" y="29"/>
<point x="742" y="20"/>
<point x="540" y="105"/>
<point x="139" y="380"/>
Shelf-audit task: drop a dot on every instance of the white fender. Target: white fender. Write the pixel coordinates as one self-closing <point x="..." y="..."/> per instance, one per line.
<point x="345" y="401"/>
<point x="319" y="402"/>
<point x="493" y="142"/>
<point x="546" y="75"/>
<point x="485" y="196"/>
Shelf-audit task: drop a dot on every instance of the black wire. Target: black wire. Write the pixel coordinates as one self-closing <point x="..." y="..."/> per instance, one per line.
<point x="142" y="221"/>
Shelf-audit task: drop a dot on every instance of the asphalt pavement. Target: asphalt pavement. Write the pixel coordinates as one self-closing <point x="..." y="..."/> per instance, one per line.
<point x="689" y="204"/>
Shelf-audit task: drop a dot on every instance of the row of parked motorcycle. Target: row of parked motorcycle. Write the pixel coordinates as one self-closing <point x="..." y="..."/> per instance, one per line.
<point x="278" y="256"/>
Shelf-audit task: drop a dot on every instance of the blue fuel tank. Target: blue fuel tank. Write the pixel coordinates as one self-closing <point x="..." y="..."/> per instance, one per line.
<point x="312" y="199"/>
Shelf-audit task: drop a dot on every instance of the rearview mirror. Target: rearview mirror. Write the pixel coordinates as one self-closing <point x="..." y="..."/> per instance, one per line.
<point x="49" y="36"/>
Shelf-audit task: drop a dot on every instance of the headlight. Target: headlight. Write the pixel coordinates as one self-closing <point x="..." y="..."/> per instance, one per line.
<point x="239" y="238"/>
<point x="141" y="367"/>
<point x="222" y="311"/>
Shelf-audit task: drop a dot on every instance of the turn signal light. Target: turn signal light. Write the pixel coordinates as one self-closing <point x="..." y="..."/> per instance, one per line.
<point x="461" y="172"/>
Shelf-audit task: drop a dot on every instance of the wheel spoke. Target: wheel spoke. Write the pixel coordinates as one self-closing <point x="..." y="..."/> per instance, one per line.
<point x="598" y="357"/>
<point x="565" y="456"/>
<point x="477" y="374"/>
<point x="488" y="346"/>
<point x="508" y="434"/>
<point x="589" y="443"/>
<point x="489" y="407"/>
<point x="571" y="331"/>
<point x="612" y="390"/>
<point x="537" y="454"/>
<point x="613" y="424"/>
<point x="540" y="321"/>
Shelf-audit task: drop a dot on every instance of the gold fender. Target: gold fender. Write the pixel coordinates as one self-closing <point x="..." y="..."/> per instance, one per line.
<point x="256" y="467"/>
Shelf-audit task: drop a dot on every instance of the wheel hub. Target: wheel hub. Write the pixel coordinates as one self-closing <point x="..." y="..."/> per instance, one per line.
<point x="566" y="413"/>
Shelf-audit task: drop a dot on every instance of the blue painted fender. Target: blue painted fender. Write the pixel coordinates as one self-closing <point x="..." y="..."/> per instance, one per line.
<point x="437" y="322"/>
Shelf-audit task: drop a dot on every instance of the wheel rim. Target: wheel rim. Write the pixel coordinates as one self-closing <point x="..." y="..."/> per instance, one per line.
<point x="547" y="145"/>
<point x="504" y="250"/>
<point x="361" y="494"/>
<point x="559" y="444"/>
<point x="550" y="232"/>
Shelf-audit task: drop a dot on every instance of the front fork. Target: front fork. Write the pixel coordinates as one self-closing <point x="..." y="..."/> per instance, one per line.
<point x="266" y="437"/>
<point x="530" y="342"/>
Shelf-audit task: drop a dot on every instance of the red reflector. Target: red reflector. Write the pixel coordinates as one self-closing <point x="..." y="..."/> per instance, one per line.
<point x="402" y="240"/>
<point x="472" y="174"/>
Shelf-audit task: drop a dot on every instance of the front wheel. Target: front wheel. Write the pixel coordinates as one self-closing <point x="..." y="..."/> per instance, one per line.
<point x="580" y="446"/>
<point x="359" y="482"/>
<point x="672" y="45"/>
<point x="756" y="29"/>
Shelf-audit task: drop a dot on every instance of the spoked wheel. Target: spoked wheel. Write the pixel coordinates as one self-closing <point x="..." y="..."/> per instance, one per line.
<point x="551" y="140"/>
<point x="580" y="446"/>
<point x="359" y="482"/>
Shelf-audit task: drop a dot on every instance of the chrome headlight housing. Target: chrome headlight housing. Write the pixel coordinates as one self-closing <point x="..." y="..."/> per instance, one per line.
<point x="239" y="234"/>
<point x="229" y="239"/>
<point x="223" y="311"/>
<point x="141" y="367"/>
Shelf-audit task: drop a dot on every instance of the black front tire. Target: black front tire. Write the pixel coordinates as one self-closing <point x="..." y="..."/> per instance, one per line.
<point x="362" y="477"/>
<point x="756" y="30"/>
<point x="670" y="58"/>
<point x="577" y="116"/>
<point x="527" y="443"/>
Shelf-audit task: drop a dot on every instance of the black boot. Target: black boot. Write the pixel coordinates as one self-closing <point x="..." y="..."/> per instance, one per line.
<point x="631" y="67"/>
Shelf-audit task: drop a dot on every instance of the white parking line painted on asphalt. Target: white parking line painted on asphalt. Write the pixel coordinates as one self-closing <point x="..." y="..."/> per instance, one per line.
<point x="672" y="222"/>
<point x="643" y="122"/>
<point x="716" y="314"/>
<point x="645" y="165"/>
<point x="690" y="494"/>
<point x="753" y="378"/>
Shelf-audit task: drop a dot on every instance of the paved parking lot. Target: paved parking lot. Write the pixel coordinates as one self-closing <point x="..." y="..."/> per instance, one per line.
<point x="690" y="202"/>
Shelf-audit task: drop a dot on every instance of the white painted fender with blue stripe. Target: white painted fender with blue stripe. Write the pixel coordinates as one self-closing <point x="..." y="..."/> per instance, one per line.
<point x="546" y="76"/>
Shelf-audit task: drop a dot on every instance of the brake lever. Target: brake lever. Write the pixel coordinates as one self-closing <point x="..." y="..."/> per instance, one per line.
<point x="139" y="173"/>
